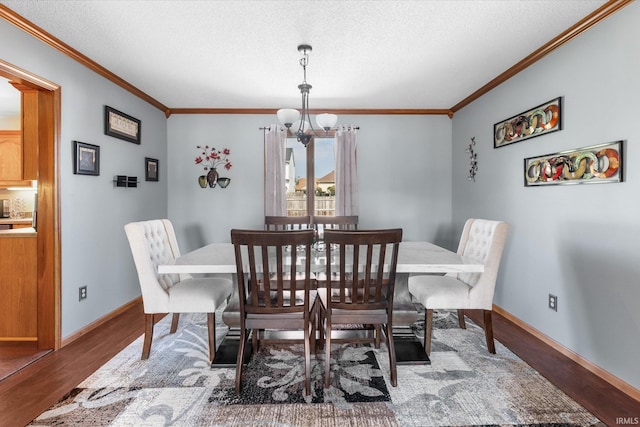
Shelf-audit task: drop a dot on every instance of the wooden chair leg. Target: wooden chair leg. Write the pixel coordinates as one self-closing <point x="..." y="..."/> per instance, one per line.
<point x="320" y="326"/>
<point x="327" y="351"/>
<point x="255" y="339"/>
<point x="428" y="326"/>
<point x="461" y="322"/>
<point x="488" y="331"/>
<point x="174" y="323"/>
<point x="307" y="362"/>
<point x="148" y="336"/>
<point x="313" y="318"/>
<point x="392" y="356"/>
<point x="241" y="349"/>
<point x="211" y="327"/>
<point x="377" y="332"/>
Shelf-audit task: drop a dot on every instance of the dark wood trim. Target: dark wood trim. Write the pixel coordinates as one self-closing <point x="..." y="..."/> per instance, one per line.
<point x="598" y="15"/>
<point x="600" y="397"/>
<point x="595" y="369"/>
<point x="589" y="21"/>
<point x="40" y="34"/>
<point x="48" y="221"/>
<point x="46" y="111"/>
<point x="354" y="111"/>
<point x="101" y="321"/>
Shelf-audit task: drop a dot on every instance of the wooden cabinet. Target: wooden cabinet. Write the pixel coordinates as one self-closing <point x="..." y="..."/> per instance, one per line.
<point x="19" y="148"/>
<point x="18" y="288"/>
<point x="10" y="155"/>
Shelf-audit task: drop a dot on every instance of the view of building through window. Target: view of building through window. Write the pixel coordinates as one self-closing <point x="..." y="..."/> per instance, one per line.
<point x="324" y="181"/>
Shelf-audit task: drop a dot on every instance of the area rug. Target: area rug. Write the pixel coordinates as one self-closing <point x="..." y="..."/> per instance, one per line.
<point x="463" y="386"/>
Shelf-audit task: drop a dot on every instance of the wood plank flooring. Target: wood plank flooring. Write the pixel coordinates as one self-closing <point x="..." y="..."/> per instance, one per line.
<point x="15" y="356"/>
<point x="31" y="390"/>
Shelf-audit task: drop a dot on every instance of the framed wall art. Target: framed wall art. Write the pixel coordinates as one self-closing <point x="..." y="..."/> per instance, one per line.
<point x="121" y="125"/>
<point x="596" y="164"/>
<point x="150" y="169"/>
<point x="86" y="159"/>
<point x="541" y="120"/>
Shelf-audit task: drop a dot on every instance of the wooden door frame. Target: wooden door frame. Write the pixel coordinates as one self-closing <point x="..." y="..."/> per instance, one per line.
<point x="47" y="103"/>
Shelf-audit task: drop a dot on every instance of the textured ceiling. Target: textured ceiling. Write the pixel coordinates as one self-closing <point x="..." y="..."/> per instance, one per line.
<point x="366" y="54"/>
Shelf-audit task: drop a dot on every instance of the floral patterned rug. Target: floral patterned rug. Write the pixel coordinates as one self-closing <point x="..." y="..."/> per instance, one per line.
<point x="463" y="386"/>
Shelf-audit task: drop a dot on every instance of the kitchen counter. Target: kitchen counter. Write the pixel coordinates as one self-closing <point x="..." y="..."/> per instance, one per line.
<point x="19" y="232"/>
<point x="15" y="220"/>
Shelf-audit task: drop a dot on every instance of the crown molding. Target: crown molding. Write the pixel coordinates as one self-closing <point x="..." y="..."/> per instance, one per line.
<point x="598" y="15"/>
<point x="589" y="21"/>
<point x="40" y="34"/>
<point x="354" y="111"/>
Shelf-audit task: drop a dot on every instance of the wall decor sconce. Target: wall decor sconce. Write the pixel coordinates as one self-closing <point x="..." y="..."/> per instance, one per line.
<point x="126" y="181"/>
<point x="473" y="160"/>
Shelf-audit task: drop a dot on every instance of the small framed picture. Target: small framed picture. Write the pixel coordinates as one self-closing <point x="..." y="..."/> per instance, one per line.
<point x="86" y="159"/>
<point x="150" y="169"/>
<point x="121" y="125"/>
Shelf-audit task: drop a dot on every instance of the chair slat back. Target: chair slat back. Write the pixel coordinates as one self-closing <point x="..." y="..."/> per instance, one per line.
<point x="364" y="277"/>
<point x="322" y="223"/>
<point x="274" y="270"/>
<point x="349" y="222"/>
<point x="287" y="222"/>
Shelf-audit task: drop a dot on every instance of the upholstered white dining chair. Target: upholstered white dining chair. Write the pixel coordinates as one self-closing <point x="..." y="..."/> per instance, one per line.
<point x="153" y="243"/>
<point x="482" y="240"/>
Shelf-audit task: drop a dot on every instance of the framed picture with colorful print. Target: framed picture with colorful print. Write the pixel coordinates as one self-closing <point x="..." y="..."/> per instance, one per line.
<point x="590" y="165"/>
<point x="541" y="120"/>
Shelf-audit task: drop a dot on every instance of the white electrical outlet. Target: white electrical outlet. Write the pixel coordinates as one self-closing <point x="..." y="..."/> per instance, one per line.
<point x="553" y="302"/>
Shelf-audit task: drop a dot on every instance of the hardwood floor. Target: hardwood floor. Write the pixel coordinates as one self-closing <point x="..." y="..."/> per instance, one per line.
<point x="30" y="391"/>
<point x="16" y="355"/>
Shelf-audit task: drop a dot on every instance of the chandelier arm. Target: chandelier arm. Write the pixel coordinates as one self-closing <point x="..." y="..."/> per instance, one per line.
<point x="285" y="116"/>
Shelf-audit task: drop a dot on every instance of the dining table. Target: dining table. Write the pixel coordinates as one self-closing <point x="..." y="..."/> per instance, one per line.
<point x="414" y="257"/>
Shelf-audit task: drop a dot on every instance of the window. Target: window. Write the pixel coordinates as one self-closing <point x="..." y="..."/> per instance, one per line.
<point x="310" y="177"/>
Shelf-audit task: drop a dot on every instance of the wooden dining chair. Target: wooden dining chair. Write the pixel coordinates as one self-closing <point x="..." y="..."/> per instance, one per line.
<point x="482" y="240"/>
<point x="153" y="243"/>
<point x="287" y="222"/>
<point x="359" y="286"/>
<point x="275" y="289"/>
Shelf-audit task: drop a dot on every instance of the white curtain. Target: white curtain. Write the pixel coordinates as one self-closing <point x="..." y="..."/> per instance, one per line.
<point x="275" y="196"/>
<point x="345" y="147"/>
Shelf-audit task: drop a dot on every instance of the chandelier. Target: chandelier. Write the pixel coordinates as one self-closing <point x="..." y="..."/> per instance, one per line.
<point x="301" y="119"/>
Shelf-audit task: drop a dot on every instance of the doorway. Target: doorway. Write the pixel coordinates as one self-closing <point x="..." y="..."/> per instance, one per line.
<point x="41" y="114"/>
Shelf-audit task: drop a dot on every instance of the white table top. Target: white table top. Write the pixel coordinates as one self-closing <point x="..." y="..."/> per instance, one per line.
<point x="413" y="257"/>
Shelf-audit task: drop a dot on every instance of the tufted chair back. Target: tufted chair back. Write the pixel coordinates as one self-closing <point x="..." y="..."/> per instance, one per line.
<point x="153" y="243"/>
<point x="483" y="241"/>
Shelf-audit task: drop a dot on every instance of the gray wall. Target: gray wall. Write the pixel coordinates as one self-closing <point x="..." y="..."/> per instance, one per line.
<point x="579" y="242"/>
<point x="404" y="175"/>
<point x="95" y="251"/>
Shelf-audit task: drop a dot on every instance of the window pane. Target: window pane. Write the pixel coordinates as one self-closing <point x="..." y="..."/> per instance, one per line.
<point x="325" y="177"/>
<point x="324" y="183"/>
<point x="295" y="178"/>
